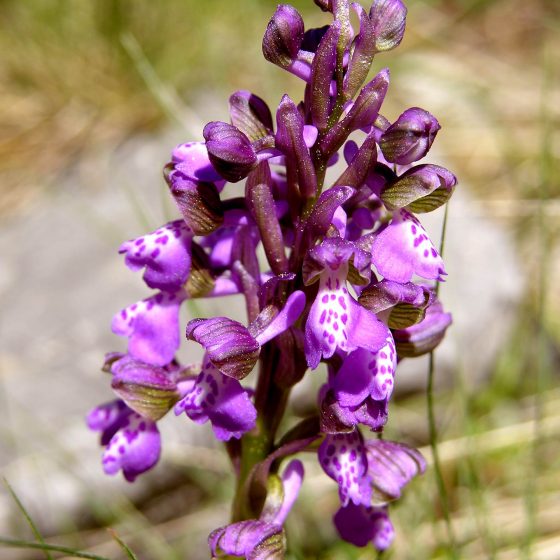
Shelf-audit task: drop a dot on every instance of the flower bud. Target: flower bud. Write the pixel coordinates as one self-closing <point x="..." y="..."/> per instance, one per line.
<point x="283" y="36"/>
<point x="229" y="150"/>
<point x="410" y="137"/>
<point x="388" y="18"/>
<point x="322" y="71"/>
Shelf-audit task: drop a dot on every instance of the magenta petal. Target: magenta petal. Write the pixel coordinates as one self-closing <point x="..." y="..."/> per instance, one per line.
<point x="391" y="466"/>
<point x="372" y="413"/>
<point x="365" y="329"/>
<point x="288" y="315"/>
<point x="152" y="326"/>
<point x="102" y="417"/>
<point x="403" y="249"/>
<point x="343" y="458"/>
<point x="292" y="478"/>
<point x="134" y="449"/>
<point x="229" y="345"/>
<point x="166" y="254"/>
<point x="354" y="380"/>
<point x="220" y="399"/>
<point x="192" y="160"/>
<point x="361" y="525"/>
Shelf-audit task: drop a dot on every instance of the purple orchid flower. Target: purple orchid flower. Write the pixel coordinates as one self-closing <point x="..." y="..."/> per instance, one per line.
<point x="328" y="274"/>
<point x="336" y="320"/>
<point x="132" y="442"/>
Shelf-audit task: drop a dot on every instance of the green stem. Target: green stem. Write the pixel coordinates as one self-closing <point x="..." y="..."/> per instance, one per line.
<point x="442" y="491"/>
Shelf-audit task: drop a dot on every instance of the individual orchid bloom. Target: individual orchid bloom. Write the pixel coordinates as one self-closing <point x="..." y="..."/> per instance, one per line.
<point x="259" y="539"/>
<point x="221" y="400"/>
<point x="343" y="458"/>
<point x="152" y="326"/>
<point x="132" y="442"/>
<point x="361" y="525"/>
<point x="371" y="472"/>
<point x="336" y="320"/>
<point x="403" y="249"/>
<point x="410" y="137"/>
<point x="164" y="253"/>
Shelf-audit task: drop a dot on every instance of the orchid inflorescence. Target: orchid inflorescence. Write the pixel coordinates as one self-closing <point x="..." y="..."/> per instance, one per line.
<point x="337" y="287"/>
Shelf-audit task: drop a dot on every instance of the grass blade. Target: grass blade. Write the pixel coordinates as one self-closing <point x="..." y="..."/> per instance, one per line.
<point x="122" y="544"/>
<point x="15" y="543"/>
<point x="28" y="518"/>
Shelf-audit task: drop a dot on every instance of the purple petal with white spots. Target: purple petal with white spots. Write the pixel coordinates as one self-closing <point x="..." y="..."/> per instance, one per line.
<point x="165" y="253"/>
<point x="134" y="449"/>
<point x="342" y="457"/>
<point x="361" y="525"/>
<point x="152" y="326"/>
<point x="336" y="320"/>
<point x="364" y="373"/>
<point x="403" y="249"/>
<point x="220" y="400"/>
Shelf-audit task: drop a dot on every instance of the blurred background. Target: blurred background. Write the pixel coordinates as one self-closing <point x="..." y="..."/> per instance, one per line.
<point x="95" y="94"/>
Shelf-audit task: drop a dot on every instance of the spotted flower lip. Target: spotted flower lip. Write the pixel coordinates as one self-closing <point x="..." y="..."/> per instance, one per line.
<point x="366" y="374"/>
<point x="339" y="273"/>
<point x="152" y="327"/>
<point x="336" y="320"/>
<point x="132" y="442"/>
<point x="403" y="249"/>
<point x="164" y="253"/>
<point x="221" y="400"/>
<point x="343" y="458"/>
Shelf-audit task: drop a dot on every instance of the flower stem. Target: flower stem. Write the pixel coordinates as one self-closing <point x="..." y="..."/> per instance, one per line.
<point x="442" y="491"/>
